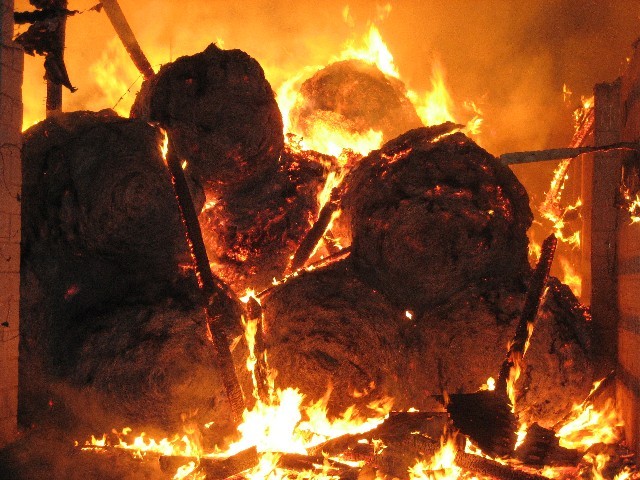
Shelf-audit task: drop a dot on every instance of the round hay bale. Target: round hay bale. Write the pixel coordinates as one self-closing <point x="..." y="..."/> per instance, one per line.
<point x="220" y="113"/>
<point x="431" y="215"/>
<point x="355" y="96"/>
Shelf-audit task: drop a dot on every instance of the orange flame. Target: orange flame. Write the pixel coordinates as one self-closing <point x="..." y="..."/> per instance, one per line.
<point x="441" y="466"/>
<point x="570" y="277"/>
<point x="591" y="426"/>
<point x="374" y="51"/>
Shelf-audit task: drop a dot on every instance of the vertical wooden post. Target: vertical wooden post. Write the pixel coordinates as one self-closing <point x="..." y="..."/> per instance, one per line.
<point x="628" y="368"/>
<point x="603" y="171"/>
<point x="11" y="67"/>
<point x="54" y="90"/>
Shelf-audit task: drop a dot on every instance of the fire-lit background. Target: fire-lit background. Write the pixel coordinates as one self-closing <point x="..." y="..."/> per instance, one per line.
<point x="522" y="67"/>
<point x="510" y="58"/>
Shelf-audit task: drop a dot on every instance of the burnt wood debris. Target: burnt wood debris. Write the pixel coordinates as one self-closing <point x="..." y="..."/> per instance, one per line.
<point x="113" y="330"/>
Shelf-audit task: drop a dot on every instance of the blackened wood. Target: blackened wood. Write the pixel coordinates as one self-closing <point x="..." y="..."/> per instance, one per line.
<point x="527" y="319"/>
<point x="403" y="452"/>
<point x="335" y="446"/>
<point x="429" y="424"/>
<point x="486" y="418"/>
<point x="406" y="451"/>
<point x="54" y="90"/>
<point x="295" y="461"/>
<point x="220" y="302"/>
<point x="541" y="447"/>
<point x="491" y="468"/>
<point x="214" y="468"/>
<point x="313" y="236"/>
<point x="562" y="153"/>
<point x="127" y="37"/>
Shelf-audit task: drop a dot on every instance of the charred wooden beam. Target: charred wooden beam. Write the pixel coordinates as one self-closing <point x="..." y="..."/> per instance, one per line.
<point x="562" y="153"/>
<point x="313" y="236"/>
<point x="541" y="447"/>
<point x="430" y="424"/>
<point x="127" y="37"/>
<point x="220" y="300"/>
<point x="403" y="452"/>
<point x="527" y="319"/>
<point x="491" y="468"/>
<point x="214" y="468"/>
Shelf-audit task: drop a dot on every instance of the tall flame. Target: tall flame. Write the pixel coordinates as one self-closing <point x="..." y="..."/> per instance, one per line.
<point x="374" y="51"/>
<point x="441" y="466"/>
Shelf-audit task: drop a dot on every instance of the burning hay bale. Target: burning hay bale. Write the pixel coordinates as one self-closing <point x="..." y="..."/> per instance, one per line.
<point x="251" y="234"/>
<point x="432" y="218"/>
<point x="222" y="118"/>
<point x="439" y="228"/>
<point x="328" y="330"/>
<point x="152" y="366"/>
<point x="103" y="242"/>
<point x="354" y="96"/>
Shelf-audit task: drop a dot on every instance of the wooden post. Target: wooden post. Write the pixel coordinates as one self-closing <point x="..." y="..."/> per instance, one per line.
<point x="628" y="367"/>
<point x="601" y="177"/>
<point x="54" y="90"/>
<point x="128" y="39"/>
<point x="11" y="67"/>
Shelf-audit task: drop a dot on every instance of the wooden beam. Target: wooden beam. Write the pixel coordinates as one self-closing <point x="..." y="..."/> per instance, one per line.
<point x="128" y="39"/>
<point x="606" y="169"/>
<point x="54" y="90"/>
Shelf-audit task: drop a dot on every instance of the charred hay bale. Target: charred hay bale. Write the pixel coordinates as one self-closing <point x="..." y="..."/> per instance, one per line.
<point x="326" y="329"/>
<point x="100" y="228"/>
<point x="220" y="113"/>
<point x="328" y="326"/>
<point x="252" y="232"/>
<point x="354" y="96"/>
<point x="431" y="215"/>
<point x="96" y="191"/>
<point x="153" y="366"/>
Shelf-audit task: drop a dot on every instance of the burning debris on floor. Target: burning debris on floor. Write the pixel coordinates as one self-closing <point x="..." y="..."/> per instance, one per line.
<point x="420" y="309"/>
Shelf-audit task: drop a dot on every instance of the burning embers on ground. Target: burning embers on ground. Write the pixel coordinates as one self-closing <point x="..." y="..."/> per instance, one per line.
<point x="356" y="362"/>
